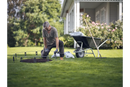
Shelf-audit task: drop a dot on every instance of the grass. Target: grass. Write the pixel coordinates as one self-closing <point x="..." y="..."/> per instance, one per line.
<point x="78" y="72"/>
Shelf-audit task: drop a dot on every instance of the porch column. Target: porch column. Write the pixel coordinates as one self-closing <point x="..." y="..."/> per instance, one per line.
<point x="75" y="18"/>
<point x="65" y="26"/>
<point x="67" y="23"/>
<point x="120" y="10"/>
<point x="78" y="14"/>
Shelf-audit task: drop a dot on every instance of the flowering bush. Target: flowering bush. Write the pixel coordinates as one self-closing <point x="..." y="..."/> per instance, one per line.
<point x="103" y="31"/>
<point x="116" y="34"/>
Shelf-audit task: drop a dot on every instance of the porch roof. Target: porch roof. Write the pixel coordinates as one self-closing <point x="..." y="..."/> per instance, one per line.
<point x="67" y="4"/>
<point x="65" y="7"/>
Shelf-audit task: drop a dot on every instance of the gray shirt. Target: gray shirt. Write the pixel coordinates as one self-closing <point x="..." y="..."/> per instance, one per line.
<point x="50" y="37"/>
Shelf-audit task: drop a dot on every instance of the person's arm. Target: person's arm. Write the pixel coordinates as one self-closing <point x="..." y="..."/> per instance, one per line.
<point x="44" y="38"/>
<point x="45" y="43"/>
<point x="57" y="42"/>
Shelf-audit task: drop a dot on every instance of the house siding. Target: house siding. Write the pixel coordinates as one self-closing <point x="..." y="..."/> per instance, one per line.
<point x="103" y="12"/>
<point x="91" y="13"/>
<point x="101" y="6"/>
<point x="114" y="13"/>
<point x="113" y="10"/>
<point x="98" y="9"/>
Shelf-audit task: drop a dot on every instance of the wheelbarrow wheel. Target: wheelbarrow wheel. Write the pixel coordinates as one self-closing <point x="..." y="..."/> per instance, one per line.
<point x="80" y="54"/>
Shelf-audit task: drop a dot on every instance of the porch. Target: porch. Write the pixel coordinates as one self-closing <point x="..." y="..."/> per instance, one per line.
<point x="103" y="11"/>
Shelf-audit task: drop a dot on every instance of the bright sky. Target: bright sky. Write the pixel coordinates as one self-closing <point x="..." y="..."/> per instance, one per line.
<point x="62" y="1"/>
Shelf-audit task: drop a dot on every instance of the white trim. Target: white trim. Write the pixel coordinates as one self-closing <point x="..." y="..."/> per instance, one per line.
<point x="70" y="24"/>
<point x="100" y="0"/>
<point x="71" y="21"/>
<point x="67" y="23"/>
<point x="78" y="15"/>
<point x="107" y="13"/>
<point x="120" y="10"/>
<point x="64" y="4"/>
<point x="64" y="26"/>
<point x="71" y="7"/>
<point x="75" y="18"/>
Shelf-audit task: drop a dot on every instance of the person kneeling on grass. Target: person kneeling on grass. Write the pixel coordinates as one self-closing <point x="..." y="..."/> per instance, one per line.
<point x="50" y="40"/>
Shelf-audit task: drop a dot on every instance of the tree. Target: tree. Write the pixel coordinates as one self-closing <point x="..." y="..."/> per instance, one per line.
<point x="32" y="16"/>
<point x="13" y="14"/>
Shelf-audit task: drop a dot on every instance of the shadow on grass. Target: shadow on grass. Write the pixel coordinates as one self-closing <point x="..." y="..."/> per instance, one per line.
<point x="86" y="58"/>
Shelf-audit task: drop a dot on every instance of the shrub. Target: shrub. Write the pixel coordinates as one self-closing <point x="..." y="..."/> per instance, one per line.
<point x="103" y="31"/>
<point x="67" y="40"/>
<point x="116" y="34"/>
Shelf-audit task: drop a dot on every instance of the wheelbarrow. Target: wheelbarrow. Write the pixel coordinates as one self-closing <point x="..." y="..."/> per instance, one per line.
<point x="86" y="43"/>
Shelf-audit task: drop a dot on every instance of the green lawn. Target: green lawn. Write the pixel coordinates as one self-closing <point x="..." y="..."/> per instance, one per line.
<point x="78" y="72"/>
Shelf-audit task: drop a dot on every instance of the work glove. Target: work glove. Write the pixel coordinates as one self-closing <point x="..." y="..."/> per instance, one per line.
<point x="55" y="51"/>
<point x="46" y="50"/>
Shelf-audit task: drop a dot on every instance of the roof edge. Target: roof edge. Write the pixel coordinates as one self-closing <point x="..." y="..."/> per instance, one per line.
<point x="63" y="7"/>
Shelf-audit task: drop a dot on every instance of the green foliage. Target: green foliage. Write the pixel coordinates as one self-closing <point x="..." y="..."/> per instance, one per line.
<point x="77" y="72"/>
<point x="27" y="24"/>
<point x="67" y="40"/>
<point x="10" y="36"/>
<point x="116" y="34"/>
<point x="103" y="31"/>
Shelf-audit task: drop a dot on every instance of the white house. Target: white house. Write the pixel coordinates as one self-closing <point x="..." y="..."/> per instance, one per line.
<point x="104" y="11"/>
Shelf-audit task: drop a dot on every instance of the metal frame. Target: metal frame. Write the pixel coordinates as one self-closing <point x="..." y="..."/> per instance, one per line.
<point x="83" y="50"/>
<point x="101" y="45"/>
<point x="88" y="48"/>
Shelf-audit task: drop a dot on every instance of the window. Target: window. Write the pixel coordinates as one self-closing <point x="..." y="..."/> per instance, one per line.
<point x="97" y="16"/>
<point x="103" y="15"/>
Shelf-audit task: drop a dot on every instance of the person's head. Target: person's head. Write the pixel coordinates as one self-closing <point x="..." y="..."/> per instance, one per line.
<point x="47" y="26"/>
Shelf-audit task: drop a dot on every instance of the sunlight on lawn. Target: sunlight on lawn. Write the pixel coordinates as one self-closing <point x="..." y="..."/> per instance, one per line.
<point x="77" y="72"/>
<point x="104" y="52"/>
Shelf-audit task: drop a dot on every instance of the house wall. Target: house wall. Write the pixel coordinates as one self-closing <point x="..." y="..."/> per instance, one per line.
<point x="71" y="22"/>
<point x="65" y="27"/>
<point x="71" y="18"/>
<point x="111" y="13"/>
<point x="98" y="9"/>
<point x="114" y="13"/>
<point x="91" y="13"/>
<point x="100" y="6"/>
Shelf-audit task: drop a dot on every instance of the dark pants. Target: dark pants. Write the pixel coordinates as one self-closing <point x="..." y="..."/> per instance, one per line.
<point x="61" y="49"/>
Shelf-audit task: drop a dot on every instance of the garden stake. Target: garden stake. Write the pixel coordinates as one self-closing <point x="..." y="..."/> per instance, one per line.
<point x="21" y="59"/>
<point x="13" y="58"/>
<point x="93" y="40"/>
<point x="36" y="52"/>
<point x="55" y="56"/>
<point x="34" y="59"/>
<point x="25" y="53"/>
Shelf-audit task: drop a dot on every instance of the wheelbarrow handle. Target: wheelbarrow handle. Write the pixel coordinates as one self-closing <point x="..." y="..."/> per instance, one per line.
<point x="103" y="43"/>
